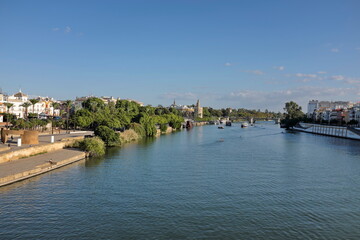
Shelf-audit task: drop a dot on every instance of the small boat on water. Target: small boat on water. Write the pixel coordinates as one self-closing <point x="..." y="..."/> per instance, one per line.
<point x="244" y="124"/>
<point x="228" y="123"/>
<point x="220" y="127"/>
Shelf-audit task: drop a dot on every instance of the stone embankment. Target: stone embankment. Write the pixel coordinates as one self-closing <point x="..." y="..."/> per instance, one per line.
<point x="21" y="169"/>
<point x="36" y="149"/>
<point x="32" y="160"/>
<point x="196" y="124"/>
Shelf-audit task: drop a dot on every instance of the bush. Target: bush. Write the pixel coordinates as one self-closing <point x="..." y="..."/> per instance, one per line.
<point x="94" y="146"/>
<point x="129" y="136"/>
<point x="175" y="121"/>
<point x="163" y="127"/>
<point x="138" y="128"/>
<point x="109" y="136"/>
<point x="149" y="125"/>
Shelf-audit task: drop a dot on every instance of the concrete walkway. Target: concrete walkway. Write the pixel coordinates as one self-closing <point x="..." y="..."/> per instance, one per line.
<point x="43" y="139"/>
<point x="27" y="167"/>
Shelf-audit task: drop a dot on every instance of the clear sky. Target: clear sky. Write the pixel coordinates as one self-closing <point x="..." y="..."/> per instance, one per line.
<point x="250" y="54"/>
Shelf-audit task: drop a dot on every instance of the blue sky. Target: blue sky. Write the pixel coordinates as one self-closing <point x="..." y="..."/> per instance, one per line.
<point x="250" y="54"/>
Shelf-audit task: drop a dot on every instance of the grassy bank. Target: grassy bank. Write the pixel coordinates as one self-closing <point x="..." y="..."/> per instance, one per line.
<point x="96" y="146"/>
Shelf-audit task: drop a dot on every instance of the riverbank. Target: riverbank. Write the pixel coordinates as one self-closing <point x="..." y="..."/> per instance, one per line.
<point x="14" y="171"/>
<point x="21" y="163"/>
<point x="331" y="131"/>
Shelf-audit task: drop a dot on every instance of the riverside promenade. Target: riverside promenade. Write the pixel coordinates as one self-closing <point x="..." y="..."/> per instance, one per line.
<point x="43" y="139"/>
<point x="18" y="163"/>
<point x="24" y="168"/>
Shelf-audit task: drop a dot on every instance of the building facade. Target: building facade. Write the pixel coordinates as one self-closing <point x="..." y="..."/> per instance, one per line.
<point x="42" y="107"/>
<point x="338" y="111"/>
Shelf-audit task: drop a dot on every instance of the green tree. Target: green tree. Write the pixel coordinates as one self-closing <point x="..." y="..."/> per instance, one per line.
<point x="9" y="116"/>
<point x="293" y="110"/>
<point x="33" y="102"/>
<point x="293" y="114"/>
<point x="93" y="104"/>
<point x="149" y="125"/>
<point x="175" y="121"/>
<point x="26" y="105"/>
<point x="83" y="118"/>
<point x="8" y="107"/>
<point x="55" y="106"/>
<point x="109" y="136"/>
<point x="67" y="104"/>
<point x="130" y="107"/>
<point x="138" y="128"/>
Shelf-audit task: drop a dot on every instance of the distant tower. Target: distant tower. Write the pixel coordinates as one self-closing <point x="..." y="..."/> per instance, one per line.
<point x="173" y="105"/>
<point x="198" y="110"/>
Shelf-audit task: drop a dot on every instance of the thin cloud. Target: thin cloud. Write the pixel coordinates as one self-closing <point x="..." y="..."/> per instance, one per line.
<point x="180" y="96"/>
<point x="348" y="80"/>
<point x="67" y="29"/>
<point x="305" y="75"/>
<point x="338" y="77"/>
<point x="256" y="72"/>
<point x="56" y="29"/>
<point x="228" y="64"/>
<point x="335" y="50"/>
<point x="321" y="72"/>
<point x="276" y="99"/>
<point x="280" y="68"/>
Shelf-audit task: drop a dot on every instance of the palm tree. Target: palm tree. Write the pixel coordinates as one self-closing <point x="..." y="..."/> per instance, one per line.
<point x="8" y="106"/>
<point x="33" y="102"/>
<point x="55" y="106"/>
<point x="26" y="105"/>
<point x="67" y="104"/>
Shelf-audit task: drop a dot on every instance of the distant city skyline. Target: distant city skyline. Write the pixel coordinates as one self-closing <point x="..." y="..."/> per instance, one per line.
<point x="238" y="54"/>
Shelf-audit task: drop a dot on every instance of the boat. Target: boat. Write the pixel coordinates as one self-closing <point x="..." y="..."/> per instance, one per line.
<point x="244" y="125"/>
<point x="228" y="123"/>
<point x="220" y="127"/>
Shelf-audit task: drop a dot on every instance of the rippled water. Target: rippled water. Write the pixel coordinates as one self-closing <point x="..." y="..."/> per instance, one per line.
<point x="207" y="183"/>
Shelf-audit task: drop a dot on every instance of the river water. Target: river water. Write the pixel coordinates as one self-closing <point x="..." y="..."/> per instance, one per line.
<point x="206" y="183"/>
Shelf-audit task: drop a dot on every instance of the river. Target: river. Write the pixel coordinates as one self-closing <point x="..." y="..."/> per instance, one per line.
<point x="207" y="183"/>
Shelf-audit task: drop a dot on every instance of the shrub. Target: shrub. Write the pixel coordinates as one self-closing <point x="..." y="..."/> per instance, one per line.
<point x="149" y="125"/>
<point x="138" y="128"/>
<point x="109" y="136"/>
<point x="129" y="136"/>
<point x="163" y="127"/>
<point x="94" y="146"/>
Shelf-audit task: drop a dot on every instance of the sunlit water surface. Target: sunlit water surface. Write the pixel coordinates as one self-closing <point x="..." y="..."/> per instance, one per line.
<point x="207" y="183"/>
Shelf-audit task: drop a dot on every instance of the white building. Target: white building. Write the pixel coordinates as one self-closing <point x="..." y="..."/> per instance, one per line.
<point x="316" y="107"/>
<point x="43" y="106"/>
<point x="17" y="100"/>
<point x="312" y="106"/>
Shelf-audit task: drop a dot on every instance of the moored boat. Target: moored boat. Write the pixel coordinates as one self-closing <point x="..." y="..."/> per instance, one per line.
<point x="244" y="124"/>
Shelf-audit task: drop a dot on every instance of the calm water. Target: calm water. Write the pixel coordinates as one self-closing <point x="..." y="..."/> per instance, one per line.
<point x="207" y="183"/>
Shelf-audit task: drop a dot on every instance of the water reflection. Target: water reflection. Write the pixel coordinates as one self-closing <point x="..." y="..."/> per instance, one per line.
<point x="254" y="183"/>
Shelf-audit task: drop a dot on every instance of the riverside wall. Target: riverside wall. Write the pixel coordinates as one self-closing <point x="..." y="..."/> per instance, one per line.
<point x="332" y="131"/>
<point x="33" y="150"/>
<point x="40" y="169"/>
<point x="196" y="124"/>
